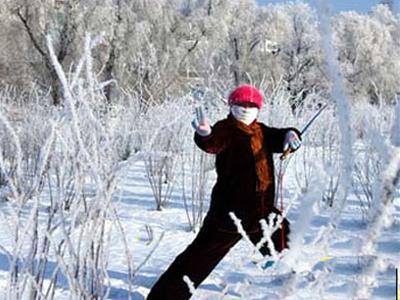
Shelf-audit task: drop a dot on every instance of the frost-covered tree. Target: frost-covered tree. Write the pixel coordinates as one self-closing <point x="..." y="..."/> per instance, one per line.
<point x="389" y="4"/>
<point x="35" y="20"/>
<point x="157" y="49"/>
<point x="293" y="28"/>
<point x="368" y="53"/>
<point x="27" y="25"/>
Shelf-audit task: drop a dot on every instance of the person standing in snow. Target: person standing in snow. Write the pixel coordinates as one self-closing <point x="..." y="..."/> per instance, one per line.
<point x="245" y="186"/>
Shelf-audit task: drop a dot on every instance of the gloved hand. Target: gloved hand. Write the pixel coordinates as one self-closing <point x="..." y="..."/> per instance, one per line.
<point x="200" y="123"/>
<point x="292" y="141"/>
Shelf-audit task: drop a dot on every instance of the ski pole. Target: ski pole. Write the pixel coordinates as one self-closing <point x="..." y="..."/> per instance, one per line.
<point x="304" y="130"/>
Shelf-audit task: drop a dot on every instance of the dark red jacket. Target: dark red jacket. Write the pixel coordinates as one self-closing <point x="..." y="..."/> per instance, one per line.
<point x="245" y="171"/>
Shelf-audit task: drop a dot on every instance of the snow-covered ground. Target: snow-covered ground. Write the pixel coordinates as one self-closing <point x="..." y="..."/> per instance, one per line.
<point x="329" y="262"/>
<point x="87" y="227"/>
<point x="78" y="217"/>
<point x="335" y="273"/>
<point x="335" y="278"/>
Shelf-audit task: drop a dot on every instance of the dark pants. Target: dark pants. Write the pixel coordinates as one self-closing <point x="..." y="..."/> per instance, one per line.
<point x="202" y="256"/>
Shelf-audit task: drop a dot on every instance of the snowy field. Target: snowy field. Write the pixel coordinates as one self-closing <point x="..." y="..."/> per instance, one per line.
<point x="236" y="275"/>
<point x="88" y="227"/>
<point x="101" y="188"/>
<point x="93" y="207"/>
<point x="335" y="272"/>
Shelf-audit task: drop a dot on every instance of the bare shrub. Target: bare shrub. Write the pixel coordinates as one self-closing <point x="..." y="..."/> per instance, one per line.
<point x="168" y="131"/>
<point x="196" y="166"/>
<point x="330" y="139"/>
<point x="62" y="183"/>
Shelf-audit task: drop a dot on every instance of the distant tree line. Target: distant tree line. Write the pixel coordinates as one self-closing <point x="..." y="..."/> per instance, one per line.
<point x="162" y="48"/>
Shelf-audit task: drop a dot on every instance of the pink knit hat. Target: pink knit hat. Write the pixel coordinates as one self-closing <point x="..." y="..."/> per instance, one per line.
<point x="246" y="94"/>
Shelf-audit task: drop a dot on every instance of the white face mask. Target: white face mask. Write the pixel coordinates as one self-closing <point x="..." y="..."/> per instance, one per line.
<point x="247" y="115"/>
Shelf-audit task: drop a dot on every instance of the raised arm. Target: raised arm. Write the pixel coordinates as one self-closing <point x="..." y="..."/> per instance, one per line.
<point x="210" y="139"/>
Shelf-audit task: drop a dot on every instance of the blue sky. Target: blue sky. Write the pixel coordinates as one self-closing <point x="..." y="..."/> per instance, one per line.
<point x="361" y="6"/>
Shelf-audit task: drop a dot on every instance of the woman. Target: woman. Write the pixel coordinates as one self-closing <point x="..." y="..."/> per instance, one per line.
<point x="245" y="186"/>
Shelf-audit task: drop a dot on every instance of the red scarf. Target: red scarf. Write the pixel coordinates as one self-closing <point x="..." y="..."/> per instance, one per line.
<point x="255" y="132"/>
